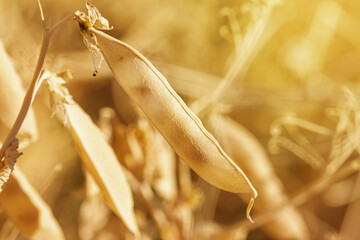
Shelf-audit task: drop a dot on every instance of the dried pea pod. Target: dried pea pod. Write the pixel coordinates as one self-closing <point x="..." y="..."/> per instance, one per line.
<point x="96" y="154"/>
<point x="178" y="124"/>
<point x="101" y="162"/>
<point x="248" y="153"/>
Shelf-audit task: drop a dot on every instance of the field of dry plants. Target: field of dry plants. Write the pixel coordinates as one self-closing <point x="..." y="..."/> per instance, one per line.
<point x="169" y="119"/>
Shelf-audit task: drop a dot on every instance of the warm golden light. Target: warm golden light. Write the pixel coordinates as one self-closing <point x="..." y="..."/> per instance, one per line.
<point x="205" y="119"/>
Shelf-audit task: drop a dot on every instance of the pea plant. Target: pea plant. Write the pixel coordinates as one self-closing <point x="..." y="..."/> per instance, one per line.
<point x="166" y="155"/>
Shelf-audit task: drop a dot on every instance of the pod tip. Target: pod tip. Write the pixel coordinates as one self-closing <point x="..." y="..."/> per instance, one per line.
<point x="251" y="203"/>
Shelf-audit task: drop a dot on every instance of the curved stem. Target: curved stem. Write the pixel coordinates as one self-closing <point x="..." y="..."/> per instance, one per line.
<point x="244" y="55"/>
<point x="30" y="94"/>
<point x="58" y="24"/>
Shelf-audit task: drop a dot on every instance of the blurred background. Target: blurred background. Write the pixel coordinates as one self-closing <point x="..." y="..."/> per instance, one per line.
<point x="290" y="79"/>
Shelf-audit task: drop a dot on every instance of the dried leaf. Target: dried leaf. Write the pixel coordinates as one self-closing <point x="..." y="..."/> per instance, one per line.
<point x="8" y="164"/>
<point x="95" y="18"/>
<point x="60" y="95"/>
<point x="97" y="58"/>
<point x="27" y="210"/>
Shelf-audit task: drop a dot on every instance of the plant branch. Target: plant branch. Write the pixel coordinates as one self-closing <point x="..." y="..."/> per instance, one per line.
<point x="59" y="23"/>
<point x="41" y="13"/>
<point x="30" y="94"/>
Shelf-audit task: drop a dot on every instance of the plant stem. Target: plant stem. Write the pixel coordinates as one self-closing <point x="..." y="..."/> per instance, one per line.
<point x="244" y="55"/>
<point x="30" y="94"/>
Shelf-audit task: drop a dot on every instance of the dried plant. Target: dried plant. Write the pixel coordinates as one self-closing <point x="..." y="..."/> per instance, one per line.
<point x="166" y="133"/>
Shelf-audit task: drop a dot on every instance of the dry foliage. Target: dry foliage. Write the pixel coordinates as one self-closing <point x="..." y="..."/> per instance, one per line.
<point x="202" y="111"/>
<point x="27" y="210"/>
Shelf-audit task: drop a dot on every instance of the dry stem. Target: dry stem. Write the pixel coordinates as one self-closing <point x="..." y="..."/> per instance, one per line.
<point x="30" y="94"/>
